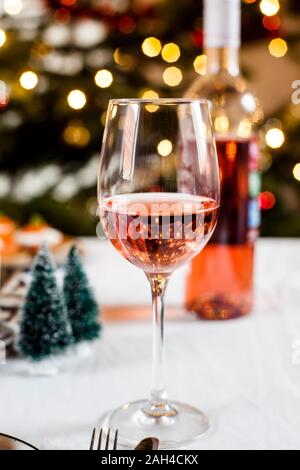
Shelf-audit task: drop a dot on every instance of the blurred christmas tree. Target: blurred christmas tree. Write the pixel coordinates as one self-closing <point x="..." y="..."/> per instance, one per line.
<point x="80" y="301"/>
<point x="61" y="61"/>
<point x="44" y="326"/>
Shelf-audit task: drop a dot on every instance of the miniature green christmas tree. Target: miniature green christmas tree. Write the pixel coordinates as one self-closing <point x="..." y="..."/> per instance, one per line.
<point x="44" y="325"/>
<point x="80" y="301"/>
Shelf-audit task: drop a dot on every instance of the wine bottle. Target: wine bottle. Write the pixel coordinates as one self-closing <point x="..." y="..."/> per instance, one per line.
<point x="220" y="280"/>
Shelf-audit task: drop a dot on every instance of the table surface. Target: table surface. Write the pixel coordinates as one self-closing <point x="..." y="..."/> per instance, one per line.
<point x="245" y="373"/>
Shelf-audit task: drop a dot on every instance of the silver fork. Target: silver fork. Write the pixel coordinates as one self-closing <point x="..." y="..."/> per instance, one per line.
<point x="99" y="442"/>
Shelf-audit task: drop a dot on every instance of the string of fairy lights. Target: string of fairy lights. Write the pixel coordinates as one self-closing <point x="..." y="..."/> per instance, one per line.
<point x="171" y="73"/>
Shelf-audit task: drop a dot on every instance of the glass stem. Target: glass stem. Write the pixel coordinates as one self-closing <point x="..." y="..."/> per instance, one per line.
<point x="158" y="405"/>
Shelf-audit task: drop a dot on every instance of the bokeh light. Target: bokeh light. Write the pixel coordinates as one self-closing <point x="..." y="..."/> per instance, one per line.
<point x="151" y="47"/>
<point x="221" y="123"/>
<point x="165" y="147"/>
<point x="76" y="99"/>
<point x="103" y="78"/>
<point x="296" y="172"/>
<point x="267" y="200"/>
<point x="272" y="23"/>
<point x="117" y="56"/>
<point x="278" y="47"/>
<point x="172" y="76"/>
<point x="200" y="64"/>
<point x="269" y="7"/>
<point x="275" y="138"/>
<point x="265" y="162"/>
<point x="245" y="128"/>
<point x="13" y="7"/>
<point x="123" y="59"/>
<point x="29" y="80"/>
<point x="150" y="95"/>
<point x="2" y="37"/>
<point x="62" y="15"/>
<point x="126" y="24"/>
<point x="170" y="52"/>
<point x="76" y="134"/>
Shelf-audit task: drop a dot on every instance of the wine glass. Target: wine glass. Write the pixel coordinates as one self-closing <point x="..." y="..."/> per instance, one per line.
<point x="158" y="195"/>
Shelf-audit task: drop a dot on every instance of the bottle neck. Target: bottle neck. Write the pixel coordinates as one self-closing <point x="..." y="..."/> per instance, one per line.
<point x="223" y="59"/>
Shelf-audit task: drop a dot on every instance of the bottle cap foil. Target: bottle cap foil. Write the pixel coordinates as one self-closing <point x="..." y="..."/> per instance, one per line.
<point x="222" y="23"/>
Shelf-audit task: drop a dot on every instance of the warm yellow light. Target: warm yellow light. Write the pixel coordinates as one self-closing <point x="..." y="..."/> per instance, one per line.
<point x="151" y="47"/>
<point x="76" y="99"/>
<point x="12" y="7"/>
<point x="221" y="124"/>
<point x="164" y="147"/>
<point x="76" y="134"/>
<point x="103" y="78"/>
<point x="2" y="37"/>
<point x="29" y="80"/>
<point x="118" y="57"/>
<point x="150" y="95"/>
<point x="278" y="47"/>
<point x="200" y="64"/>
<point x="296" y="172"/>
<point x="275" y="138"/>
<point x="269" y="7"/>
<point x="245" y="128"/>
<point x="170" y="52"/>
<point x="172" y="76"/>
<point x="122" y="59"/>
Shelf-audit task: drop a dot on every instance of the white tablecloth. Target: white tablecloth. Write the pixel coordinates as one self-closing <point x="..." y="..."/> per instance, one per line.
<point x="243" y="372"/>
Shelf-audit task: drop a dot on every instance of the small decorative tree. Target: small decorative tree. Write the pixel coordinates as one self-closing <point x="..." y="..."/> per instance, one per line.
<point x="80" y="301"/>
<point x="44" y="325"/>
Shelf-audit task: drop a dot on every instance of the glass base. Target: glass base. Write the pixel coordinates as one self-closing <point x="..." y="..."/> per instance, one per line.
<point x="183" y="425"/>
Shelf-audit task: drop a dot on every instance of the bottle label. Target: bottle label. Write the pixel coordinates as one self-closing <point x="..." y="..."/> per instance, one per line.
<point x="254" y="184"/>
<point x="222" y="23"/>
<point x="254" y="215"/>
